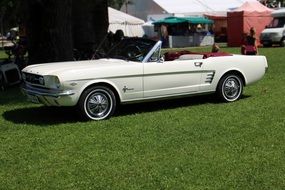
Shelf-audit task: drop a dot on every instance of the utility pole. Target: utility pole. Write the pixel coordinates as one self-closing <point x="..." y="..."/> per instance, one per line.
<point x="2" y="27"/>
<point x="126" y="3"/>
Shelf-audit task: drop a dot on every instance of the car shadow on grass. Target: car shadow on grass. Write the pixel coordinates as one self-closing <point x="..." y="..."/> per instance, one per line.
<point x="42" y="116"/>
<point x="11" y="95"/>
<point x="168" y="104"/>
<point x="47" y="116"/>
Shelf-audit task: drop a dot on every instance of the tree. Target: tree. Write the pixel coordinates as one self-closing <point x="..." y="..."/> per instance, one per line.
<point x="116" y="4"/>
<point x="56" y="27"/>
<point x="9" y="14"/>
<point x="90" y="24"/>
<point x="272" y="3"/>
<point x="49" y="30"/>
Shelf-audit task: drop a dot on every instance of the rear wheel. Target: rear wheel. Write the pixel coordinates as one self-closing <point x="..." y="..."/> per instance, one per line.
<point x="282" y="42"/>
<point x="97" y="103"/>
<point x="267" y="45"/>
<point x="230" y="88"/>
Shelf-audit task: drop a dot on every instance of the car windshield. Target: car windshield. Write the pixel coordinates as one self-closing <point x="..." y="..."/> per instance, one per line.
<point x="132" y="49"/>
<point x="277" y="23"/>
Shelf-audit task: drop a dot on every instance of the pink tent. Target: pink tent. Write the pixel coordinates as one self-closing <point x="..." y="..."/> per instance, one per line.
<point x="250" y="14"/>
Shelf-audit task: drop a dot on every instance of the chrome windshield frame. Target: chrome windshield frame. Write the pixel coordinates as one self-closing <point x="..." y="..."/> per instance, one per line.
<point x="150" y="53"/>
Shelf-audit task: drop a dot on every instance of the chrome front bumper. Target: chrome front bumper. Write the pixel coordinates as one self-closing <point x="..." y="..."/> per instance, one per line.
<point x="28" y="89"/>
<point x="49" y="97"/>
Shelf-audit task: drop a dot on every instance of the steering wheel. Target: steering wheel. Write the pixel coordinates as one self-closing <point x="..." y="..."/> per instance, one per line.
<point x="134" y="53"/>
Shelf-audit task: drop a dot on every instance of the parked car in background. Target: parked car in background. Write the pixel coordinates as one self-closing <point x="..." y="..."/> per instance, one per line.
<point x="274" y="33"/>
<point x="135" y="71"/>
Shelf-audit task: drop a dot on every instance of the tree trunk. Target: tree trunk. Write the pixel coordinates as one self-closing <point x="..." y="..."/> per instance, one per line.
<point x="90" y="23"/>
<point x="56" y="27"/>
<point x="49" y="30"/>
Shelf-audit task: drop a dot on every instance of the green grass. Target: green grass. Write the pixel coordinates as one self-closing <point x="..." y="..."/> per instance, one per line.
<point x="3" y="55"/>
<point x="191" y="143"/>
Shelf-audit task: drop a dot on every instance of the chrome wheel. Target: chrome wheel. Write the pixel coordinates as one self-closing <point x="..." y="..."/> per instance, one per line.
<point x="97" y="103"/>
<point x="230" y="88"/>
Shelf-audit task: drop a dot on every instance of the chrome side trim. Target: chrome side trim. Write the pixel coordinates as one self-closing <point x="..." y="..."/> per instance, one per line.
<point x="176" y="96"/>
<point x="145" y="75"/>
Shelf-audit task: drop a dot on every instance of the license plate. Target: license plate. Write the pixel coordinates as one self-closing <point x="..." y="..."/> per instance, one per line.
<point x="33" y="98"/>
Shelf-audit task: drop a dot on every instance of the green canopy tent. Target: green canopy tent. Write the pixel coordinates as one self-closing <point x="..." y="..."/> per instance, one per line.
<point x="179" y="20"/>
<point x="184" y="31"/>
<point x="199" y="20"/>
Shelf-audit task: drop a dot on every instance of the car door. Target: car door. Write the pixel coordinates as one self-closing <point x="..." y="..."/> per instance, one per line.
<point x="171" y="78"/>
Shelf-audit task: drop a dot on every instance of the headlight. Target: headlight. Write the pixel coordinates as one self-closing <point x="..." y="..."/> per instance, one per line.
<point x="51" y="81"/>
<point x="41" y="80"/>
<point x="274" y="35"/>
<point x="23" y="76"/>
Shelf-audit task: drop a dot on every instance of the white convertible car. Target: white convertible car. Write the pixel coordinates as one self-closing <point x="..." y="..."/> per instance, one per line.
<point x="135" y="71"/>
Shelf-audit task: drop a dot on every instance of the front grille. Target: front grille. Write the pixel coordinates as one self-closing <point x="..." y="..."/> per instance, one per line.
<point x="34" y="79"/>
<point x="12" y="76"/>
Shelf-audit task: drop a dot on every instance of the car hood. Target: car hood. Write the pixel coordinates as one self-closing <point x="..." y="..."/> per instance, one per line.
<point x="89" y="69"/>
<point x="272" y="30"/>
<point x="60" y="67"/>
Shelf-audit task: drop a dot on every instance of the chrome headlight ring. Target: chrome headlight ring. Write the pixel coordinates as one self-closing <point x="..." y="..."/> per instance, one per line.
<point x="51" y="81"/>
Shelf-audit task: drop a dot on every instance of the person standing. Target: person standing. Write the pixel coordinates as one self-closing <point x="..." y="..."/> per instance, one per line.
<point x="250" y="46"/>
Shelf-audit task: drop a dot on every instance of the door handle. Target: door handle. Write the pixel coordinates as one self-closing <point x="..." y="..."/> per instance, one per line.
<point x="198" y="64"/>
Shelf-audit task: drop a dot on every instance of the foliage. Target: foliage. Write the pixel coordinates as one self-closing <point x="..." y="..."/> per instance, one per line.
<point x="116" y="4"/>
<point x="7" y="4"/>
<point x="3" y="55"/>
<point x="272" y="3"/>
<point x="193" y="143"/>
<point x="10" y="11"/>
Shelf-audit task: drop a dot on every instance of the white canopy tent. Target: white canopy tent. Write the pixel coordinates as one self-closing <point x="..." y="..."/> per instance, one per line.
<point x="130" y="25"/>
<point x="199" y="7"/>
<point x="143" y="8"/>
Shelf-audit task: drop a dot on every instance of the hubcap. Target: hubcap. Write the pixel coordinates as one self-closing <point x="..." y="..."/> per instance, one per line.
<point x="98" y="105"/>
<point x="231" y="88"/>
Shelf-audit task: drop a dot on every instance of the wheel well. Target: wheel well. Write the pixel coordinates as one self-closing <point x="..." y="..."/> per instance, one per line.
<point x="108" y="86"/>
<point x="282" y="41"/>
<point x="237" y="73"/>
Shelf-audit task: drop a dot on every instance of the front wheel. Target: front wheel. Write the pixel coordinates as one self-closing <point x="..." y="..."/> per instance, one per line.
<point x="230" y="88"/>
<point x="97" y="103"/>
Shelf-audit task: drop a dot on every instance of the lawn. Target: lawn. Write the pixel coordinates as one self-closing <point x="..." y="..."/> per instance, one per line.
<point x="191" y="143"/>
<point x="3" y="54"/>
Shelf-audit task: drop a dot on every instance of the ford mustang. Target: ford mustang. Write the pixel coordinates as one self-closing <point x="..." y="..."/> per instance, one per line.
<point x="135" y="71"/>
